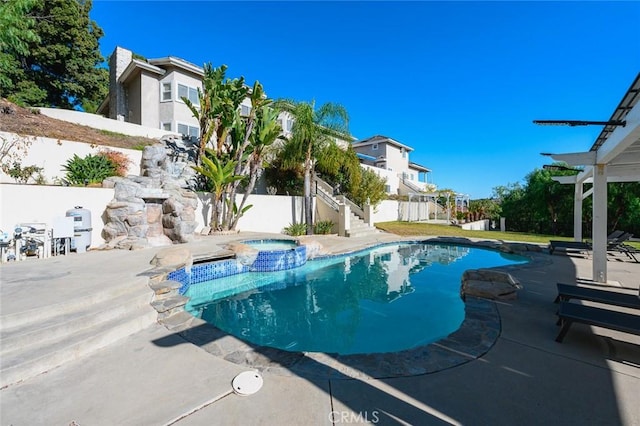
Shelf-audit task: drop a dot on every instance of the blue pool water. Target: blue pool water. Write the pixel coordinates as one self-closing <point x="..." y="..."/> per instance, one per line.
<point x="384" y="299"/>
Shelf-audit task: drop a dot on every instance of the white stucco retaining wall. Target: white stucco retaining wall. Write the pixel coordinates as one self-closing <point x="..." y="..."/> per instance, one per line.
<point x="478" y="225"/>
<point x="53" y="154"/>
<point x="270" y="213"/>
<point x="386" y="211"/>
<point x="99" y="122"/>
<point x="43" y="203"/>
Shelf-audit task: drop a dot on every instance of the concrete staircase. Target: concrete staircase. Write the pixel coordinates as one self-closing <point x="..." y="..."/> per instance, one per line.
<point x="38" y="340"/>
<point x="358" y="228"/>
<point x="357" y="225"/>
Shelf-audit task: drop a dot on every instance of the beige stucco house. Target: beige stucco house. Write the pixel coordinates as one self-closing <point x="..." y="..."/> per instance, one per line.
<point x="390" y="159"/>
<point x="149" y="93"/>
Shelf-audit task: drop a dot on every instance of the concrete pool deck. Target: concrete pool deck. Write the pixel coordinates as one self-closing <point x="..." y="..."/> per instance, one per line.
<point x="593" y="377"/>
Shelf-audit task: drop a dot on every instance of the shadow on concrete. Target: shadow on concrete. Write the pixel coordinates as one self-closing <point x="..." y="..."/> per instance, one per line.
<point x="526" y="378"/>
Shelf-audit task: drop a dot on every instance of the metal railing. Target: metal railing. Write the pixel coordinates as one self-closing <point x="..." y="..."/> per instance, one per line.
<point x="328" y="199"/>
<point x="327" y="189"/>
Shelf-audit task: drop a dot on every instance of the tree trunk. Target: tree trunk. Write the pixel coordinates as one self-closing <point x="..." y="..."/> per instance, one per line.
<point x="230" y="218"/>
<point x="308" y="214"/>
<point x="215" y="212"/>
<point x="252" y="184"/>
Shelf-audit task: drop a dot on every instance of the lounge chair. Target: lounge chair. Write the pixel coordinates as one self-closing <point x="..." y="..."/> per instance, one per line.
<point x="569" y="291"/>
<point x="618" y="245"/>
<point x="630" y="251"/>
<point x="620" y="321"/>
<point x="578" y="246"/>
<point x="614" y="242"/>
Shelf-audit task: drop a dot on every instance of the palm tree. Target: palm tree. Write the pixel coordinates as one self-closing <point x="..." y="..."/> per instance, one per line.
<point x="312" y="130"/>
<point x="221" y="175"/>
<point x="267" y="130"/>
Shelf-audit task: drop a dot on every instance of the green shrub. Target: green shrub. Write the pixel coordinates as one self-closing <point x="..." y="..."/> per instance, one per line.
<point x="323" y="227"/>
<point x="296" y="229"/>
<point x="90" y="169"/>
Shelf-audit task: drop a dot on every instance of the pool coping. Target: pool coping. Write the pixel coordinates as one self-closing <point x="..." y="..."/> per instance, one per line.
<point x="475" y="337"/>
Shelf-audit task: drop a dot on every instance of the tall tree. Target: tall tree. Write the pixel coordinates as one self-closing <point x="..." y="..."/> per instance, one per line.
<point x="16" y="32"/>
<point x="371" y="189"/>
<point x="61" y="68"/>
<point x="341" y="168"/>
<point x="313" y="129"/>
<point x="542" y="205"/>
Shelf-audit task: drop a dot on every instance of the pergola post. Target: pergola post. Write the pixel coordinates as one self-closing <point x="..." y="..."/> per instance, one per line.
<point x="577" y="211"/>
<point x="600" y="223"/>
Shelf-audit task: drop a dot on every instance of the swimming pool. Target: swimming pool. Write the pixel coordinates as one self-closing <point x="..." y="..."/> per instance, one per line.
<point x="380" y="300"/>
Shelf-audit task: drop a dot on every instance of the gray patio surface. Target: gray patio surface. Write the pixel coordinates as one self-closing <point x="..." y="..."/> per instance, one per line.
<point x="593" y="377"/>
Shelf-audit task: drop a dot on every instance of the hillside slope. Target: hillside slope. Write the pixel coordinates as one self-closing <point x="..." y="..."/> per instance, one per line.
<point x="27" y="122"/>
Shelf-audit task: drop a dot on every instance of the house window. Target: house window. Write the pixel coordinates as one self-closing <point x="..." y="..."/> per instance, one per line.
<point x="166" y="126"/>
<point x="404" y="152"/>
<point x="374" y="147"/>
<point x="166" y="92"/>
<point x="387" y="188"/>
<point x="245" y="110"/>
<point x="190" y="131"/>
<point x="190" y="93"/>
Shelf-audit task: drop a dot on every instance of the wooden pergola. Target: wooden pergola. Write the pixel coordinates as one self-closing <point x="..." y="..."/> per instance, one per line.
<point x="614" y="157"/>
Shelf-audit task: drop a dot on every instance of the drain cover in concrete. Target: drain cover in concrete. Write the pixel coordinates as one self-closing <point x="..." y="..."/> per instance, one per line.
<point x="247" y="383"/>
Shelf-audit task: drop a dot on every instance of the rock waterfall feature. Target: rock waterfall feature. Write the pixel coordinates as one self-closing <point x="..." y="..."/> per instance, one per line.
<point x="156" y="208"/>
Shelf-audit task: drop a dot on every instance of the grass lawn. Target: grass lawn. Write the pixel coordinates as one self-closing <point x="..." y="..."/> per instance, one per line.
<point x="414" y="228"/>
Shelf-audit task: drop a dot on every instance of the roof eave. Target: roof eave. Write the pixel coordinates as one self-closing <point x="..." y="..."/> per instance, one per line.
<point x="179" y="63"/>
<point x="381" y="139"/>
<point x="138" y="64"/>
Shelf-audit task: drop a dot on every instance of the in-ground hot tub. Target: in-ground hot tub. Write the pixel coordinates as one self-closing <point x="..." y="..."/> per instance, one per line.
<point x="276" y="255"/>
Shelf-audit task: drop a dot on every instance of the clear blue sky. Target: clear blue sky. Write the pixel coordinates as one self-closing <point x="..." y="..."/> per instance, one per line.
<point x="460" y="82"/>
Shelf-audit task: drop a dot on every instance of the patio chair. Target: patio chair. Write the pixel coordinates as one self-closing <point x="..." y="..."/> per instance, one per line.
<point x="569" y="313"/>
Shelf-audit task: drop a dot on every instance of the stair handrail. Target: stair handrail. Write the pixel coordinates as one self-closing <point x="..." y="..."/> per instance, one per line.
<point x="328" y="199"/>
<point x="324" y="186"/>
<point x="328" y="189"/>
